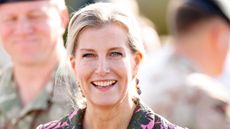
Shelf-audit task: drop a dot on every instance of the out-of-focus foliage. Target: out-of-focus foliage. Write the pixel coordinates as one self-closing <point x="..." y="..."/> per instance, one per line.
<point x="74" y="5"/>
<point x="155" y="10"/>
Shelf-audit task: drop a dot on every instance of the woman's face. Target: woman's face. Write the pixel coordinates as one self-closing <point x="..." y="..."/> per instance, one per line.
<point x="104" y="65"/>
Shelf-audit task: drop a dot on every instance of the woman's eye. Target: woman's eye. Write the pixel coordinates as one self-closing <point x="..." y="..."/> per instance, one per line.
<point x="115" y="54"/>
<point x="87" y="55"/>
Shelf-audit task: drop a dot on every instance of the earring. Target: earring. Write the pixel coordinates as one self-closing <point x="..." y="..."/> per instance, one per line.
<point x="138" y="87"/>
<point x="80" y="90"/>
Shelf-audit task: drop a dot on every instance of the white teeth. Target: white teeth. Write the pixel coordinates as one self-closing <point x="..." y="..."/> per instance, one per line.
<point x="103" y="83"/>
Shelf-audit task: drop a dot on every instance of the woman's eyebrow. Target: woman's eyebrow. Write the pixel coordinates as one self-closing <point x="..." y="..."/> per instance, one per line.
<point x="116" y="48"/>
<point x="87" y="49"/>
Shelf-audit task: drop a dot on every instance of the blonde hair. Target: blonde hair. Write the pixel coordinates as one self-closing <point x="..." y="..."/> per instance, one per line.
<point x="97" y="15"/>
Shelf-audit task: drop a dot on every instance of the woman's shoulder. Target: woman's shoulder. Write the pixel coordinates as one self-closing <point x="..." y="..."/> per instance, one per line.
<point x="145" y="118"/>
<point x="160" y="122"/>
<point x="73" y="119"/>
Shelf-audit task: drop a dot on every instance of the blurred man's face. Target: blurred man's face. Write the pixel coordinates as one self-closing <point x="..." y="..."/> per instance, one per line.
<point x="29" y="31"/>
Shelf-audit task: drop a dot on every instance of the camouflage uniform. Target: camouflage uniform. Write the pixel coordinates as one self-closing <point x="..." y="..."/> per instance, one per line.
<point x="51" y="103"/>
<point x="4" y="59"/>
<point x="174" y="89"/>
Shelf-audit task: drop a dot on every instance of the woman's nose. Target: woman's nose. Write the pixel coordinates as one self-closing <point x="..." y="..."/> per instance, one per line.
<point x="102" y="67"/>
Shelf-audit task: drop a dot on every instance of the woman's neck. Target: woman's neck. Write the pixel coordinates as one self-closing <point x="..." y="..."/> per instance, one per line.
<point x="115" y="117"/>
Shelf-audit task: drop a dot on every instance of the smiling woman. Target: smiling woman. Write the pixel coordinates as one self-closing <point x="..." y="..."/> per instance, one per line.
<point x="105" y="54"/>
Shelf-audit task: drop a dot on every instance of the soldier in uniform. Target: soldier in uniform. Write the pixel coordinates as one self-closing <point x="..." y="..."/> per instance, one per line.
<point x="181" y="82"/>
<point x="4" y="58"/>
<point x="31" y="33"/>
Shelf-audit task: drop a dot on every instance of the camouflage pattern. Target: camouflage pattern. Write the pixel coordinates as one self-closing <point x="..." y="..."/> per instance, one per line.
<point x="174" y="88"/>
<point x="4" y="59"/>
<point x="52" y="103"/>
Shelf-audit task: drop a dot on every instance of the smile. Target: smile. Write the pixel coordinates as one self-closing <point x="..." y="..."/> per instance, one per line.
<point x="104" y="83"/>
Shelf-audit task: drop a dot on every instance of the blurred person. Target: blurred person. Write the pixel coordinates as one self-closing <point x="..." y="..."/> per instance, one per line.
<point x="31" y="33"/>
<point x="4" y="59"/>
<point x="149" y="35"/>
<point x="105" y="52"/>
<point x="224" y="76"/>
<point x="187" y="71"/>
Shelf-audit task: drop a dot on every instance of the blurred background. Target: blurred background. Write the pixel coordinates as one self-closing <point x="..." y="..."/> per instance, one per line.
<point x="155" y="10"/>
<point x="177" y="79"/>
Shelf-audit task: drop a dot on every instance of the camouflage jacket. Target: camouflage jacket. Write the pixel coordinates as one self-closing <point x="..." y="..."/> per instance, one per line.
<point x="174" y="88"/>
<point x="50" y="104"/>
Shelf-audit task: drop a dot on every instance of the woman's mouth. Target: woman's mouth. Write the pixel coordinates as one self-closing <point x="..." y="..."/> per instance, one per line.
<point x="104" y="83"/>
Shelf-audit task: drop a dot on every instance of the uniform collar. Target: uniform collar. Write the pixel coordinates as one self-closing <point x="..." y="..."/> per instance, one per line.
<point x="9" y="99"/>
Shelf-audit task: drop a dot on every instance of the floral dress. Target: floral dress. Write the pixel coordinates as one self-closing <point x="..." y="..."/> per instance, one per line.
<point x="143" y="118"/>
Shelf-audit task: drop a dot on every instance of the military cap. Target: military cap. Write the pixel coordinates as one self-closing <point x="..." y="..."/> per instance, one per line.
<point x="219" y="8"/>
<point x="11" y="1"/>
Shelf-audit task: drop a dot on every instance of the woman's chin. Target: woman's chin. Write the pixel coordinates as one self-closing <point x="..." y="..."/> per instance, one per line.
<point x="105" y="102"/>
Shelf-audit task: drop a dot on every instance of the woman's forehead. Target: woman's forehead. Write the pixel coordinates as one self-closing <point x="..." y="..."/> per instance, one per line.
<point x="106" y="39"/>
<point x="107" y="33"/>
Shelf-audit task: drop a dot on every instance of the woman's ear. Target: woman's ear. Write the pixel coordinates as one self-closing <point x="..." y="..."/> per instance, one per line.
<point x="72" y="62"/>
<point x="137" y="61"/>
